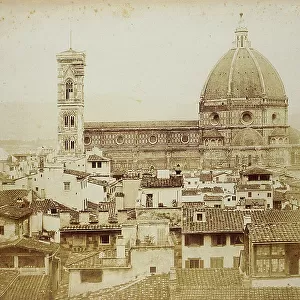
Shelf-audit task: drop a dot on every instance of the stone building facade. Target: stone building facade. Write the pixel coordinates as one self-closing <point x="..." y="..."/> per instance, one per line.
<point x="242" y="120"/>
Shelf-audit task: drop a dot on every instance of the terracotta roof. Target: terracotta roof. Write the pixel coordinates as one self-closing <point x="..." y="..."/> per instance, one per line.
<point x="44" y="205"/>
<point x="280" y="232"/>
<point x="97" y="181"/>
<point x="256" y="170"/>
<point x="78" y="174"/>
<point x="222" y="220"/>
<point x="191" y="192"/>
<point x="6" y="278"/>
<point x="97" y="261"/>
<point x="31" y="244"/>
<point x="215" y="189"/>
<point x="212" y="198"/>
<point x="92" y="227"/>
<point x="139" y="125"/>
<point x="154" y="182"/>
<point x="154" y="287"/>
<point x="208" y="278"/>
<point x="252" y="187"/>
<point x="238" y="293"/>
<point x="29" y="287"/>
<point x="95" y="157"/>
<point x="205" y="177"/>
<point x="10" y="196"/>
<point x="215" y="284"/>
<point x="14" y="212"/>
<point x="279" y="132"/>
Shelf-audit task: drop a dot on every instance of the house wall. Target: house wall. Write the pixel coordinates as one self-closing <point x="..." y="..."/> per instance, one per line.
<point x="104" y="170"/>
<point x="95" y="193"/>
<point x="130" y="190"/>
<point x="13" y="228"/>
<point x="256" y="194"/>
<point x="166" y="196"/>
<point x="50" y="184"/>
<point x="207" y="251"/>
<point x="141" y="260"/>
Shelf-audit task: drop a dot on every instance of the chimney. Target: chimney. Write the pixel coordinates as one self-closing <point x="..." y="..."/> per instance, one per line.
<point x="84" y="217"/>
<point x="247" y="220"/>
<point x="64" y="218"/>
<point x="120" y="243"/>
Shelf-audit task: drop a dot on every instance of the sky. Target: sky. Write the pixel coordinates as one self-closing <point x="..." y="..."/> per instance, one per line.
<point x="145" y="60"/>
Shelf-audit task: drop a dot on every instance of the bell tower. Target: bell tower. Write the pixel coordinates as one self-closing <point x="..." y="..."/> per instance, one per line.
<point x="70" y="102"/>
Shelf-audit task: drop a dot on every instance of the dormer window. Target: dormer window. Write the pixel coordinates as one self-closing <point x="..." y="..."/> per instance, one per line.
<point x="199" y="217"/>
<point x="69" y="89"/>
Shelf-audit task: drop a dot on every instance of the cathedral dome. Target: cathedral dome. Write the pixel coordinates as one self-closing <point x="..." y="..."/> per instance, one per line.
<point x="243" y="73"/>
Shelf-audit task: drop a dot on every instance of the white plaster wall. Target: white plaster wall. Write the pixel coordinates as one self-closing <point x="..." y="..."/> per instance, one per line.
<point x="163" y="195"/>
<point x="207" y="251"/>
<point x="276" y="282"/>
<point x="141" y="260"/>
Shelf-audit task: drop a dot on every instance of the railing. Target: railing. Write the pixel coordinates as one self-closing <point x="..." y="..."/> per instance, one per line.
<point x="111" y="262"/>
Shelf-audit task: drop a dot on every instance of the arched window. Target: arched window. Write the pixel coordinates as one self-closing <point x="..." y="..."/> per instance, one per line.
<point x="66" y="145"/>
<point x="72" y="145"/>
<point x="69" y="88"/>
<point x="72" y="121"/>
<point x="66" y="121"/>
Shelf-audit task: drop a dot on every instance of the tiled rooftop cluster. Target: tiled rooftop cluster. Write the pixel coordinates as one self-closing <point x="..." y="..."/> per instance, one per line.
<point x="78" y="174"/>
<point x="28" y="243"/>
<point x="154" y="182"/>
<point x="95" y="157"/>
<point x="279" y="232"/>
<point x="29" y="287"/>
<point x="222" y="220"/>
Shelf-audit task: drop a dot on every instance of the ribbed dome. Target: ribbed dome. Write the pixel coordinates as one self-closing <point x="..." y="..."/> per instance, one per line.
<point x="243" y="73"/>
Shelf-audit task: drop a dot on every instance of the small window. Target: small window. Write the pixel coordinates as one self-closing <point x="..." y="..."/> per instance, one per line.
<point x="194" y="263"/>
<point x="216" y="262"/>
<point x="72" y="121"/>
<point x="72" y="145"/>
<point x="218" y="240"/>
<point x="67" y="186"/>
<point x="104" y="239"/>
<point x="94" y="164"/>
<point x="269" y="195"/>
<point x="91" y="276"/>
<point x="233" y="198"/>
<point x="200" y="217"/>
<point x="99" y="164"/>
<point x="36" y="188"/>
<point x="66" y="121"/>
<point x="69" y="89"/>
<point x="152" y="270"/>
<point x="194" y="239"/>
<point x="1" y="230"/>
<point x="236" y="239"/>
<point x="249" y="194"/>
<point x="66" y="145"/>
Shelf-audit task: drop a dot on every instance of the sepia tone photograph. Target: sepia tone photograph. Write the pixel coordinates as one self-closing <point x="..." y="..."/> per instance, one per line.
<point x="149" y="150"/>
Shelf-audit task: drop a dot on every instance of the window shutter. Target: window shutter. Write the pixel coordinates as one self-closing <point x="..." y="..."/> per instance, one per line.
<point x="187" y="264"/>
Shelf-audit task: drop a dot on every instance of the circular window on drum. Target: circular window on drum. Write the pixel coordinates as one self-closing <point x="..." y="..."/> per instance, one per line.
<point x="152" y="139"/>
<point x="185" y="139"/>
<point x="87" y="140"/>
<point x="120" y="139"/>
<point x="275" y="118"/>
<point x="247" y="118"/>
<point x="214" y="119"/>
